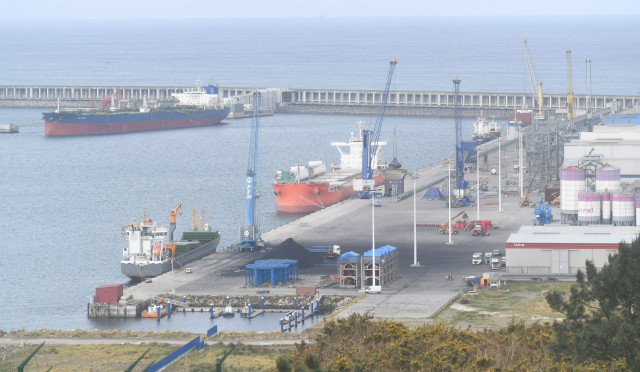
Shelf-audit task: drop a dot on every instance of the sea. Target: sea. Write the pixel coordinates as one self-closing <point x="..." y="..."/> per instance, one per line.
<point x="63" y="200"/>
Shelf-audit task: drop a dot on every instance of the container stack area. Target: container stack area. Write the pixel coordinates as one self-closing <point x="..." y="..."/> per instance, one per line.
<point x="274" y="271"/>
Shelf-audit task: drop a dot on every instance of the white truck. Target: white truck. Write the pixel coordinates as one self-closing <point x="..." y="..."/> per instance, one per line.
<point x="477" y="259"/>
<point x="496" y="263"/>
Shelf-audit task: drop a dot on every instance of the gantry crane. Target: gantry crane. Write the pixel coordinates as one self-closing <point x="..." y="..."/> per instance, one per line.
<point x="537" y="93"/>
<point x="249" y="235"/>
<point x="370" y="144"/>
<point x="570" y="92"/>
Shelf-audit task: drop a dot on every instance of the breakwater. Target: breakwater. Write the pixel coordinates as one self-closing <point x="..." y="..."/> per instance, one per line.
<point x="318" y="101"/>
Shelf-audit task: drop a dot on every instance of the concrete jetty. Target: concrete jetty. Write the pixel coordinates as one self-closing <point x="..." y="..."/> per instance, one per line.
<point x="320" y="101"/>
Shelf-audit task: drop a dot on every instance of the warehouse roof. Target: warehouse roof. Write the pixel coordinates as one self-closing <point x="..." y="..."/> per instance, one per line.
<point x="564" y="234"/>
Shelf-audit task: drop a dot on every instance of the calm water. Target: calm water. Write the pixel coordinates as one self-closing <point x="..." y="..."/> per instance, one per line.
<point x="63" y="199"/>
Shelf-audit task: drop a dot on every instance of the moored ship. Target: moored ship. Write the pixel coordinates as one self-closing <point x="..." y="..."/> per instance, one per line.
<point x="485" y="130"/>
<point x="309" y="187"/>
<point x="196" y="108"/>
<point x="152" y="252"/>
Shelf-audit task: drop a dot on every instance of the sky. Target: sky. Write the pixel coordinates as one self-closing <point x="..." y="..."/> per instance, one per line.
<point x="186" y="9"/>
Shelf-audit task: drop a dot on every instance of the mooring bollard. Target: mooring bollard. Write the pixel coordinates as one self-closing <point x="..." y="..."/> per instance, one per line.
<point x="303" y="314"/>
<point x="296" y="314"/>
<point x="184" y="300"/>
<point x="289" y="321"/>
<point x="295" y="303"/>
<point x="227" y="300"/>
<point x="249" y="313"/>
<point x="262" y="303"/>
<point x="169" y="309"/>
<point x="211" y="309"/>
<point x="158" y="312"/>
<point x="281" y="325"/>
<point x="311" y="307"/>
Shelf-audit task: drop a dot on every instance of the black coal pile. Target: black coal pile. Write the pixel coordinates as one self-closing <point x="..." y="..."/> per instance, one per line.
<point x="291" y="250"/>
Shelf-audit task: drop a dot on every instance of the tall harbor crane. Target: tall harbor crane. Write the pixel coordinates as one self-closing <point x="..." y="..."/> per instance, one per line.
<point x="537" y="93"/>
<point x="460" y="193"/>
<point x="370" y="144"/>
<point x="570" y="92"/>
<point x="249" y="235"/>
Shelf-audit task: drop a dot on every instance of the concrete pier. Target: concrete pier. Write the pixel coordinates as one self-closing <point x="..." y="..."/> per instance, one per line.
<point x="321" y="101"/>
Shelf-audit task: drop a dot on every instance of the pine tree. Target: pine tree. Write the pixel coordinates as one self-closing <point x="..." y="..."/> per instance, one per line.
<point x="602" y="320"/>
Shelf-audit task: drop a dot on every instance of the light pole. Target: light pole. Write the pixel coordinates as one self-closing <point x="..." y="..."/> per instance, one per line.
<point x="520" y="165"/>
<point x="415" y="222"/>
<point x="373" y="241"/>
<point x="500" y="176"/>
<point x="449" y="201"/>
<point x="477" y="184"/>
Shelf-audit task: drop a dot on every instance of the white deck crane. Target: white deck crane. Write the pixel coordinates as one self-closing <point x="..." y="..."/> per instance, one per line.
<point x="537" y="93"/>
<point x="570" y="92"/>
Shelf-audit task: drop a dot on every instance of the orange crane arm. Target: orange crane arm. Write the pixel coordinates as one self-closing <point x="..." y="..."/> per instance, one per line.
<point x="174" y="212"/>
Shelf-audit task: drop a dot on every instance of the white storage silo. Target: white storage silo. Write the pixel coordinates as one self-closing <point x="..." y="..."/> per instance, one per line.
<point x="572" y="182"/>
<point x="623" y="209"/>
<point x="606" y="208"/>
<point x="607" y="179"/>
<point x="588" y="208"/>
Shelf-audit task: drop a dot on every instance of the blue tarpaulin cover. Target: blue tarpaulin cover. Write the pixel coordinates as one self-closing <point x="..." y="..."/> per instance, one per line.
<point x="433" y="193"/>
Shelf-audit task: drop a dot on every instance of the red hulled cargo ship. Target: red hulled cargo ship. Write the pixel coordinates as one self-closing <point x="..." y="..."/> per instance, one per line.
<point x="309" y="187"/>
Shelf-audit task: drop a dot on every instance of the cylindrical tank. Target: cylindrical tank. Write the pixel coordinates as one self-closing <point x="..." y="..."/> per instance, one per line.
<point x="572" y="182"/>
<point x="588" y="208"/>
<point x="607" y="179"/>
<point x="606" y="208"/>
<point x="623" y="209"/>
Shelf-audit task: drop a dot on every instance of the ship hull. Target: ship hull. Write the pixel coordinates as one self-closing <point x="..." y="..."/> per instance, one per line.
<point x="146" y="269"/>
<point x="81" y="124"/>
<point x="311" y="197"/>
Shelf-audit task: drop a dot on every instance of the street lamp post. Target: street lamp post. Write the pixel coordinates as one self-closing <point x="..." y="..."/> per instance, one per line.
<point x="449" y="201"/>
<point x="373" y="242"/>
<point x="477" y="184"/>
<point x="499" y="177"/>
<point x="415" y="222"/>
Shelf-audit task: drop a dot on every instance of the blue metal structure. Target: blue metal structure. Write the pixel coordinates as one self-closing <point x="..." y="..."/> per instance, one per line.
<point x="249" y="234"/>
<point x="370" y="138"/>
<point x="273" y="271"/>
<point x="543" y="213"/>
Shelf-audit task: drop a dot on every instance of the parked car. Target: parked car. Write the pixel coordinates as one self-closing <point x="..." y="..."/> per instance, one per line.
<point x="373" y="289"/>
<point x="188" y="270"/>
<point x="148" y="280"/>
<point x="476" y="259"/>
<point x="262" y="291"/>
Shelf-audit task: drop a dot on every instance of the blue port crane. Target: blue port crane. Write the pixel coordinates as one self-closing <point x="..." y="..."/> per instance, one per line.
<point x="460" y="194"/>
<point x="249" y="234"/>
<point x="370" y="139"/>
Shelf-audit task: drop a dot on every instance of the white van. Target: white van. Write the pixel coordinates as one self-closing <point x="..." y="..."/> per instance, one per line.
<point x="188" y="270"/>
<point x="373" y="289"/>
